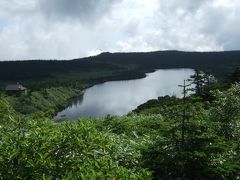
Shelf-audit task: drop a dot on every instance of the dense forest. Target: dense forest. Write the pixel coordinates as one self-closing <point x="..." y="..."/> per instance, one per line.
<point x="118" y="65"/>
<point x="194" y="137"/>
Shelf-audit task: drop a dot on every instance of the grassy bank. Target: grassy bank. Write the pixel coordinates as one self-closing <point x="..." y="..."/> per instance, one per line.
<point x="49" y="100"/>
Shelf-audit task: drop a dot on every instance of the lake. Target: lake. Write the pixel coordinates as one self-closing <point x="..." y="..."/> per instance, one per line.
<point x="121" y="97"/>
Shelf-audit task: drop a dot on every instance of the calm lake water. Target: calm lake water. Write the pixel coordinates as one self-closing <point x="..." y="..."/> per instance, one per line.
<point x="121" y="97"/>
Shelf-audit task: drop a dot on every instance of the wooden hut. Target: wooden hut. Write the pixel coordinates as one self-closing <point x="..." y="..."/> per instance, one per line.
<point x="15" y="88"/>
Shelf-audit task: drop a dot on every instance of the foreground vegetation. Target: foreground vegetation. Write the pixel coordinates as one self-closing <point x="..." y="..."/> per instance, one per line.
<point x="169" y="138"/>
<point x="38" y="148"/>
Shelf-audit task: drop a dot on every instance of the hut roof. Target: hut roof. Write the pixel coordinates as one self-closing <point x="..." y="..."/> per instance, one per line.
<point x="15" y="87"/>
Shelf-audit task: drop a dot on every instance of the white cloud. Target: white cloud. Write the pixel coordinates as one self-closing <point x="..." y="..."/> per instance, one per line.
<point x="62" y="29"/>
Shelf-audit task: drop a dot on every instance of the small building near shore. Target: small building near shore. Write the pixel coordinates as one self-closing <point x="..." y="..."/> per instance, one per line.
<point x="15" y="88"/>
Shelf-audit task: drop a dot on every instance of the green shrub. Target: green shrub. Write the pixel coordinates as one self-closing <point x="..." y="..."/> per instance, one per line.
<point x="41" y="148"/>
<point x="226" y="110"/>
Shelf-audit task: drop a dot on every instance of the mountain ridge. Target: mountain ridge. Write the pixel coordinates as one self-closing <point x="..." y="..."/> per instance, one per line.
<point x="218" y="63"/>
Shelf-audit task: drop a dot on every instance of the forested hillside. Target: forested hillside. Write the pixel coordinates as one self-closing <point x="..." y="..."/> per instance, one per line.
<point x="122" y="65"/>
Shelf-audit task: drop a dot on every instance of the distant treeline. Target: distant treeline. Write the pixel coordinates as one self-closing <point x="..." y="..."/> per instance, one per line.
<point x="38" y="69"/>
<point x="219" y="63"/>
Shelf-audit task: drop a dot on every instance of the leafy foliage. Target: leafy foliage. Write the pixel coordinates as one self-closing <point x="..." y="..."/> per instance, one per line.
<point x="226" y="110"/>
<point x="210" y="146"/>
<point x="39" y="148"/>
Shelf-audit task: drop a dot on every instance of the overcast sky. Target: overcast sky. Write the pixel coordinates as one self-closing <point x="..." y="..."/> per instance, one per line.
<point x="65" y="29"/>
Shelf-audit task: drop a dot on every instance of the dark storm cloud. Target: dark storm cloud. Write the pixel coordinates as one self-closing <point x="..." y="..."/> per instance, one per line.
<point x="83" y="10"/>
